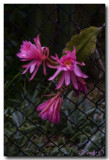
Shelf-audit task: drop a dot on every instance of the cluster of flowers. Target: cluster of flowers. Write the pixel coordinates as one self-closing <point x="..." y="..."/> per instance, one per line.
<point x="67" y="66"/>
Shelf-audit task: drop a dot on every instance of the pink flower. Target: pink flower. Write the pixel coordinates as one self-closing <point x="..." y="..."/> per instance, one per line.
<point x="51" y="109"/>
<point x="35" y="54"/>
<point x="69" y="68"/>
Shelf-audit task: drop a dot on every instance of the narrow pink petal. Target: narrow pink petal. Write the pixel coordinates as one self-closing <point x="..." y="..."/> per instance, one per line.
<point x="50" y="112"/>
<point x="67" y="78"/>
<point x="80" y="63"/>
<point x="24" y="59"/>
<point x="37" y="42"/>
<point x="34" y="73"/>
<point x="25" y="70"/>
<point x="32" y="67"/>
<point x="27" y="59"/>
<point x="19" y="55"/>
<point x="27" y="67"/>
<point x="56" y="73"/>
<point x="53" y="57"/>
<point x="78" y="72"/>
<point x="81" y="80"/>
<point x="43" y="48"/>
<point x="50" y="66"/>
<point x="44" y="115"/>
<point x="47" y="50"/>
<point x="57" y="58"/>
<point x="44" y="68"/>
<point x="67" y="52"/>
<point x="61" y="81"/>
<point x="46" y="109"/>
<point x="55" y="111"/>
<point x="42" y="106"/>
<point x="74" y="81"/>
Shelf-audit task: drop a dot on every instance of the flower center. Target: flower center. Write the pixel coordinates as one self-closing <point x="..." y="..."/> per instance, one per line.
<point x="68" y="63"/>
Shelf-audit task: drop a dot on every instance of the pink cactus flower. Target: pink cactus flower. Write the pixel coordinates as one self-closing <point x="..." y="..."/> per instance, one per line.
<point x="35" y="54"/>
<point x="51" y="109"/>
<point x="69" y="68"/>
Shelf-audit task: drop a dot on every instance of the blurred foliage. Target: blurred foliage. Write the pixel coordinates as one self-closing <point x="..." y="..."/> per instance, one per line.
<point x="82" y="118"/>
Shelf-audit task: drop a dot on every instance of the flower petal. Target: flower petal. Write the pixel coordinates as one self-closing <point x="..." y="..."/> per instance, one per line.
<point x="55" y="111"/>
<point x="54" y="58"/>
<point x="67" y="78"/>
<point x="50" y="112"/>
<point x="44" y="116"/>
<point x="19" y="55"/>
<point x="48" y="106"/>
<point x="80" y="63"/>
<point x="57" y="58"/>
<point x="56" y="73"/>
<point x="67" y="52"/>
<point x="37" y="42"/>
<point x="32" y="67"/>
<point x="27" y="67"/>
<point x="47" y="50"/>
<point x="78" y="72"/>
<point x="74" y="81"/>
<point x="42" y="106"/>
<point x="50" y="66"/>
<point x="81" y="80"/>
<point x="61" y="81"/>
<point x="37" y="67"/>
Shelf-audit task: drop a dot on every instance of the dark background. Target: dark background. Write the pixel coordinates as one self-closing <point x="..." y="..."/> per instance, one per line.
<point x="82" y="125"/>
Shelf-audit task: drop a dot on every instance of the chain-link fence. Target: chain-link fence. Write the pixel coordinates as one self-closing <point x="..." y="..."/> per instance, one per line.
<point x="81" y="131"/>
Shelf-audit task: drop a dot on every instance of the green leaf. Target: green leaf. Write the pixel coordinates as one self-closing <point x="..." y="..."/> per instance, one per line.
<point x="85" y="43"/>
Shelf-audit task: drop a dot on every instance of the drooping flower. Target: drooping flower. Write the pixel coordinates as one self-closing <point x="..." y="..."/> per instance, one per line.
<point x="35" y="54"/>
<point x="51" y="109"/>
<point x="69" y="68"/>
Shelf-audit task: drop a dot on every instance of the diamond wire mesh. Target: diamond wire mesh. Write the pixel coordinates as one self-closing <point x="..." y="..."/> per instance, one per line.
<point x="82" y="124"/>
